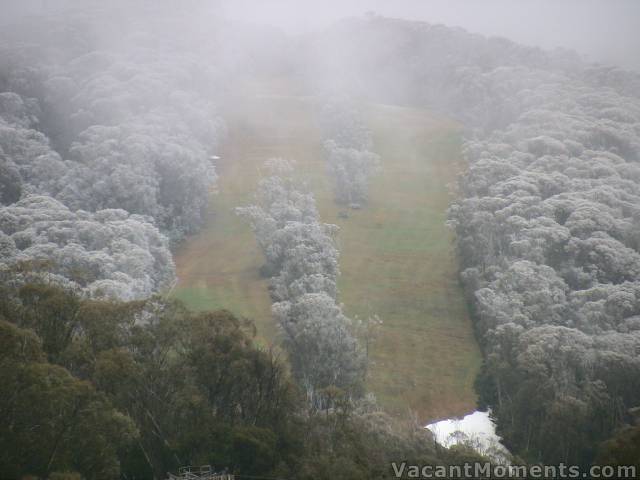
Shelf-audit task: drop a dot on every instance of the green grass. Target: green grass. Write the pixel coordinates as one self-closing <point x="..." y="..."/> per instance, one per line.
<point x="396" y="259"/>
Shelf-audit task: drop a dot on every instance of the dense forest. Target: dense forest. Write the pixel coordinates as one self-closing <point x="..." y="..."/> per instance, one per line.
<point x="113" y="389"/>
<point x="547" y="219"/>
<point x="109" y="131"/>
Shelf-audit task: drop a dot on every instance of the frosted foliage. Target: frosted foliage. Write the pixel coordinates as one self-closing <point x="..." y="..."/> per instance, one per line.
<point x="109" y="253"/>
<point x="347" y="145"/>
<point x="302" y="262"/>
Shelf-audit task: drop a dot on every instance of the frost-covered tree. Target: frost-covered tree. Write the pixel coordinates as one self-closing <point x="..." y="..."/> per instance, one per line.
<point x="112" y="139"/>
<point x="109" y="253"/>
<point x="319" y="340"/>
<point x="27" y="160"/>
<point x="302" y="262"/>
<point x="309" y="260"/>
<point x="133" y="125"/>
<point x="279" y="201"/>
<point x="10" y="181"/>
<point x="351" y="170"/>
<point x="347" y="145"/>
<point x="143" y="168"/>
<point x="341" y="121"/>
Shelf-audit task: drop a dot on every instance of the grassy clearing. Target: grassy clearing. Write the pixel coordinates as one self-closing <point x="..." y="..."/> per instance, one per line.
<point x="396" y="254"/>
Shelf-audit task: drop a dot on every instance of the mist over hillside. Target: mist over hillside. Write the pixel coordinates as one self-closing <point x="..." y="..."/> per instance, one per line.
<point x="278" y="239"/>
<point x="603" y="31"/>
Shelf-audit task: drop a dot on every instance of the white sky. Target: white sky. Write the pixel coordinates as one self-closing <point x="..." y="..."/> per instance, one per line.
<point x="603" y="30"/>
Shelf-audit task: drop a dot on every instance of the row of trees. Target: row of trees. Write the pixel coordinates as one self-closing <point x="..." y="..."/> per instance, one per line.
<point x="547" y="221"/>
<point x="302" y="262"/>
<point x="347" y="145"/>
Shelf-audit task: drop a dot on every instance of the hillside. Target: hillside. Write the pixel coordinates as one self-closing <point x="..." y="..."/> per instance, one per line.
<point x="219" y="240"/>
<point x="396" y="254"/>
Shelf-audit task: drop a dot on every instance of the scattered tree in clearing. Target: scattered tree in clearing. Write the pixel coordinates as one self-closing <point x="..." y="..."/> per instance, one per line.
<point x="348" y="143"/>
<point x="303" y="263"/>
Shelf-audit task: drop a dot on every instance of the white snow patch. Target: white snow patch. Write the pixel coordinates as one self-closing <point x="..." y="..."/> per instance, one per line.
<point x="476" y="430"/>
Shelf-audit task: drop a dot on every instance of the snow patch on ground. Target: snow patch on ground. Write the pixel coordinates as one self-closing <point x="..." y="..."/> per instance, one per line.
<point x="476" y="430"/>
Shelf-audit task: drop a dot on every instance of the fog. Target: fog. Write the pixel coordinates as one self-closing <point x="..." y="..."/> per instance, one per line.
<point x="602" y="30"/>
<point x="276" y="238"/>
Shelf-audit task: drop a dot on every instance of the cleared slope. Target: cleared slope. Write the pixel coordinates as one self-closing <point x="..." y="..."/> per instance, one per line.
<point x="396" y="254"/>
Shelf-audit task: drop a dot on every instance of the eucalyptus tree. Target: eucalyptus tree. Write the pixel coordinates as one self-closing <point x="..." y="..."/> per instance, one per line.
<point x="348" y="143"/>
<point x="108" y="253"/>
<point x="302" y="262"/>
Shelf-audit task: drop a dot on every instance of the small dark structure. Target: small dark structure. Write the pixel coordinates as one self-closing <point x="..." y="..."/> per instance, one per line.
<point x="204" y="472"/>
